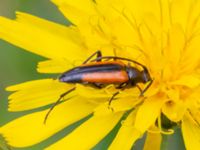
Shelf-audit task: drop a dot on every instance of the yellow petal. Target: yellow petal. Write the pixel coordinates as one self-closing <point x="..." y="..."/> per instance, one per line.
<point x="143" y="7"/>
<point x="94" y="36"/>
<point x="192" y="101"/>
<point x="173" y="94"/>
<point x="127" y="134"/>
<point x="175" y="45"/>
<point x="95" y="95"/>
<point x="42" y="37"/>
<point x="69" y="32"/>
<point x="153" y="140"/>
<point x="165" y="16"/>
<point x="92" y="92"/>
<point x="152" y="46"/>
<point x="106" y="92"/>
<point x="148" y="112"/>
<point x="180" y="11"/>
<point x="122" y="20"/>
<point x="89" y="133"/>
<point x="138" y="8"/>
<point x="124" y="15"/>
<point x="30" y="129"/>
<point x="191" y="133"/>
<point x="54" y="66"/>
<point x="195" y="113"/>
<point x="174" y="110"/>
<point x="192" y="25"/>
<point x="35" y="94"/>
<point x="76" y="10"/>
<point x="123" y="104"/>
<point x="191" y="81"/>
<point x="190" y="56"/>
<point x="120" y="104"/>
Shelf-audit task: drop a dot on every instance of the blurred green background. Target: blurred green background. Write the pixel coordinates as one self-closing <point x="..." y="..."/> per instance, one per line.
<point x="17" y="66"/>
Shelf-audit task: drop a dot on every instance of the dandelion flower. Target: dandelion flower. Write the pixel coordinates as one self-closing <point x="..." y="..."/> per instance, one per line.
<point x="161" y="34"/>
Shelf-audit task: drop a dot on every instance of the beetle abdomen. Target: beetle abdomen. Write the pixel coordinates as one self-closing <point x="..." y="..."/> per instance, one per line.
<point x="93" y="73"/>
<point x="106" y="77"/>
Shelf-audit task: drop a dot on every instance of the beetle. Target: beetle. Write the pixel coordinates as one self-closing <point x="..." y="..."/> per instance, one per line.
<point x="105" y="70"/>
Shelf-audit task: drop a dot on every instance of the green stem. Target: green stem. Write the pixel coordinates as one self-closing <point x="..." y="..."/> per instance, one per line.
<point x="164" y="144"/>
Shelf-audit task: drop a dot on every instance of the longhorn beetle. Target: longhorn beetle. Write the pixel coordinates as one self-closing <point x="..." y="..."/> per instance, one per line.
<point x="100" y="73"/>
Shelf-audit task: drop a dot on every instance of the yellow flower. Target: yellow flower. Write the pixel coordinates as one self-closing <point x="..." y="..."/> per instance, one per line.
<point x="163" y="35"/>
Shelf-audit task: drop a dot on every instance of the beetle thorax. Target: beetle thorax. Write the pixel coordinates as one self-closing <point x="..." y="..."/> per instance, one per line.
<point x="134" y="75"/>
<point x="137" y="76"/>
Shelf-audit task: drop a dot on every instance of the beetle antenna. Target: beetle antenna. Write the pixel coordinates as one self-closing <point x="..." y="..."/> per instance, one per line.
<point x="98" y="53"/>
<point x="120" y="58"/>
<point x="57" y="102"/>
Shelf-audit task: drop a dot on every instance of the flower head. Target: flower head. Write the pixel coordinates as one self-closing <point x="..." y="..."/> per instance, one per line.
<point x="163" y="35"/>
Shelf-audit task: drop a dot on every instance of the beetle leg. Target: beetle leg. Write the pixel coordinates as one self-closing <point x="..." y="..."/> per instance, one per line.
<point x="122" y="85"/>
<point x="98" y="53"/>
<point x="139" y="88"/>
<point x="98" y="85"/>
<point x="146" y="88"/>
<point x="129" y="64"/>
<point x="111" y="99"/>
<point x="57" y="102"/>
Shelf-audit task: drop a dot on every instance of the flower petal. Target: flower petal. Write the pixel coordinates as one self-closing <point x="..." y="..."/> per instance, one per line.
<point x="76" y="10"/>
<point x="175" y="107"/>
<point x="45" y="91"/>
<point x="148" y="112"/>
<point x="127" y="134"/>
<point x="191" y="132"/>
<point x="174" y="110"/>
<point x="30" y="129"/>
<point x="120" y="104"/>
<point x="193" y="18"/>
<point x="91" y="92"/>
<point x="153" y="140"/>
<point x="144" y="7"/>
<point x="42" y="37"/>
<point x="192" y="103"/>
<point x="190" y="56"/>
<point x="54" y="66"/>
<point x="68" y="32"/>
<point x="180" y="11"/>
<point x="89" y="133"/>
<point x="191" y="81"/>
<point x="176" y="44"/>
<point x="106" y="92"/>
<point x="138" y="8"/>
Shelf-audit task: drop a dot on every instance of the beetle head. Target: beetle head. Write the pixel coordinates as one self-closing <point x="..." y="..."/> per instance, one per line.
<point x="146" y="76"/>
